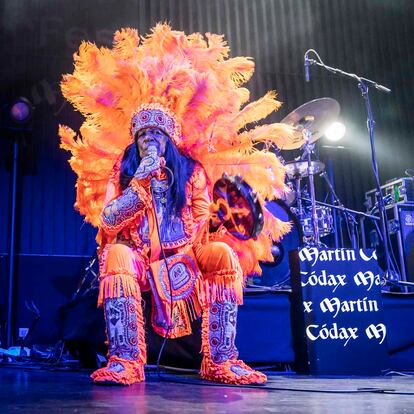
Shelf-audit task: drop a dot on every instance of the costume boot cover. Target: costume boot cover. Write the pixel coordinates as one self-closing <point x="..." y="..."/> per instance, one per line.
<point x="124" y="320"/>
<point x="220" y="354"/>
<point x="125" y="331"/>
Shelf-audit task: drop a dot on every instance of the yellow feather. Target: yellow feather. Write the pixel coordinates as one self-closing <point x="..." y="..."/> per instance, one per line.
<point x="257" y="110"/>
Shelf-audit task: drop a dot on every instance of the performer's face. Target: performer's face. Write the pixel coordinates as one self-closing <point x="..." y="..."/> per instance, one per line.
<point x="150" y="136"/>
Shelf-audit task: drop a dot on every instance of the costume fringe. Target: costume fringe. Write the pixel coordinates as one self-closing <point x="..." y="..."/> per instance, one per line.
<point x="222" y="373"/>
<point x="189" y="310"/>
<point x="134" y="372"/>
<point x="117" y="284"/>
<point x="220" y="286"/>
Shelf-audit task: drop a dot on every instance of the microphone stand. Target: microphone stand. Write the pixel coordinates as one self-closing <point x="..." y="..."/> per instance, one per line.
<point x="343" y="209"/>
<point x="363" y="85"/>
<point x="349" y="217"/>
<point x="359" y="79"/>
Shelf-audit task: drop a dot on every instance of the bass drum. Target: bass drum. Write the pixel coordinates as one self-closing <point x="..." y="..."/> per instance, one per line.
<point x="277" y="274"/>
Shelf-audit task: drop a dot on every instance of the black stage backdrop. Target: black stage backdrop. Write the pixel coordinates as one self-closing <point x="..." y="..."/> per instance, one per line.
<point x="368" y="37"/>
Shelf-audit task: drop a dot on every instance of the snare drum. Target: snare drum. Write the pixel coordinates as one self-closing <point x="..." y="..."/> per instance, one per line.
<point x="324" y="222"/>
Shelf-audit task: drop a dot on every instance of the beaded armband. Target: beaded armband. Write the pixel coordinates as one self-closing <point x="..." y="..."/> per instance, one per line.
<point x="125" y="208"/>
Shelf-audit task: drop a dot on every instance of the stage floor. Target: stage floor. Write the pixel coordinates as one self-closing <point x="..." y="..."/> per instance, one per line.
<point x="41" y="391"/>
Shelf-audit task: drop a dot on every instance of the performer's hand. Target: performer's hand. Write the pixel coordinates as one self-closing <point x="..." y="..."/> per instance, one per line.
<point x="150" y="166"/>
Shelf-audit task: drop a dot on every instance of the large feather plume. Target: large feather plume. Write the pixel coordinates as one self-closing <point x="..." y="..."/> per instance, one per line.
<point x="193" y="77"/>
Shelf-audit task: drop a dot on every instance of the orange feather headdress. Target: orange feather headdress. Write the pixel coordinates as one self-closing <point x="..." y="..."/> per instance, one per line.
<point x="193" y="79"/>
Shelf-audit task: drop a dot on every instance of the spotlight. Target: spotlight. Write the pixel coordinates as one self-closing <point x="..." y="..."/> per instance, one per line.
<point x="21" y="111"/>
<point x="335" y="131"/>
<point x="17" y="116"/>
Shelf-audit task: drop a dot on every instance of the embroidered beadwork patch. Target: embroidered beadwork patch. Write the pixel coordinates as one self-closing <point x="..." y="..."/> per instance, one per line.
<point x="239" y="371"/>
<point x="222" y="331"/>
<point x="183" y="274"/>
<point x="155" y="115"/>
<point x="122" y="327"/>
<point x="122" y="208"/>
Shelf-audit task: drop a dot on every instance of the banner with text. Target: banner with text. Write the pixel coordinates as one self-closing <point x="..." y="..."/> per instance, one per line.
<point x="338" y="297"/>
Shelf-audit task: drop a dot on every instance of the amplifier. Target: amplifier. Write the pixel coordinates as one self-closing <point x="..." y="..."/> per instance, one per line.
<point x="400" y="217"/>
<point x="401" y="190"/>
<point x="401" y="229"/>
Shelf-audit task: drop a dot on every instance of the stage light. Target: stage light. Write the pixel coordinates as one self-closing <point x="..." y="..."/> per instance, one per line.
<point x="21" y="111"/>
<point x="15" y="118"/>
<point x="335" y="131"/>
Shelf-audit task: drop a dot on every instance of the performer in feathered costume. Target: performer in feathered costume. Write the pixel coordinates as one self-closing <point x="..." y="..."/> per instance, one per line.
<point x="165" y="117"/>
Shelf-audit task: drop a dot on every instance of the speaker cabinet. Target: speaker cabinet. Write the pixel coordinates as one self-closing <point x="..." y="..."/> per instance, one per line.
<point x="402" y="238"/>
<point x="400" y="218"/>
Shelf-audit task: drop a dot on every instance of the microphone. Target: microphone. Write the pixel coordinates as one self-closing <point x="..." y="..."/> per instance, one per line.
<point x="152" y="149"/>
<point x="307" y="68"/>
<point x="382" y="88"/>
<point x="153" y="183"/>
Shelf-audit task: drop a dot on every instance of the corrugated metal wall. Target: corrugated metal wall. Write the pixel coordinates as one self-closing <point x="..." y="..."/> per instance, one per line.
<point x="369" y="37"/>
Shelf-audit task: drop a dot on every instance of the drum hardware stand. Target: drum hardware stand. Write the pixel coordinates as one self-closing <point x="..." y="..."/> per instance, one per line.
<point x="88" y="270"/>
<point x="307" y="152"/>
<point x="343" y="209"/>
<point x="309" y="122"/>
<point x="348" y="213"/>
<point x="353" y="223"/>
<point x="349" y="217"/>
<point x="363" y="85"/>
<point x="335" y="215"/>
<point x="298" y="191"/>
<point x="403" y="283"/>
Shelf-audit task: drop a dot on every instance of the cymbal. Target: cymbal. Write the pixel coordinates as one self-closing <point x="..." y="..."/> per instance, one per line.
<point x="299" y="169"/>
<point x="314" y="116"/>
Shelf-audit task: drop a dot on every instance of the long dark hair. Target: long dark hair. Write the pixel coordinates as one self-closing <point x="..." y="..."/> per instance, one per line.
<point x="181" y="166"/>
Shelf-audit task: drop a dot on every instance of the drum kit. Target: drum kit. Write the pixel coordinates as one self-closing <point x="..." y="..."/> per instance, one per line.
<point x="311" y="219"/>
<point x="310" y="121"/>
<point x="232" y="195"/>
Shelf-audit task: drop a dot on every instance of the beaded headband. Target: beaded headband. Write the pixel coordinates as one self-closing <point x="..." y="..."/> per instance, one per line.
<point x="156" y="116"/>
